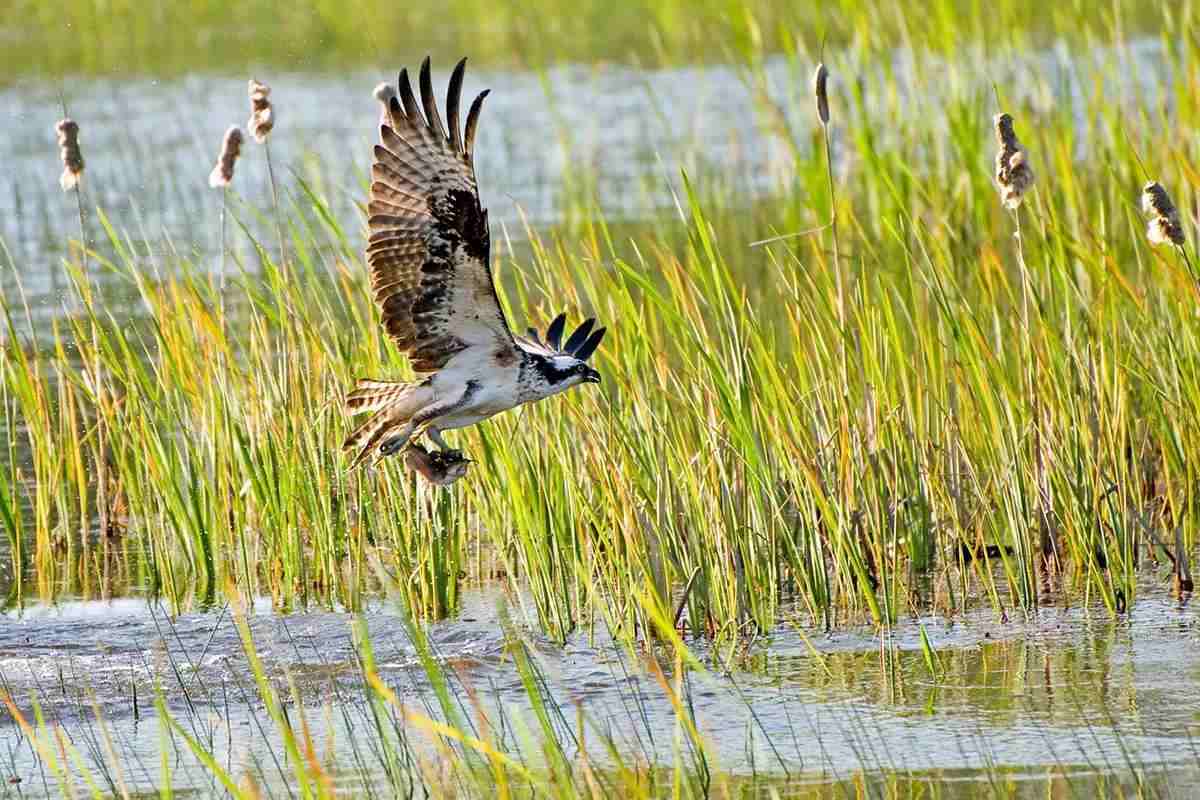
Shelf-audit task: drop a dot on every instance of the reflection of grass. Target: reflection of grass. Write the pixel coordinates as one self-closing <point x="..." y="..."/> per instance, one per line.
<point x="429" y="730"/>
<point x="66" y="37"/>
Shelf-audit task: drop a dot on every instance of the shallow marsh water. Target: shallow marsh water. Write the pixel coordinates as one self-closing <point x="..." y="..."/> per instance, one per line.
<point x="1065" y="701"/>
<point x="1063" y="698"/>
<point x="611" y="135"/>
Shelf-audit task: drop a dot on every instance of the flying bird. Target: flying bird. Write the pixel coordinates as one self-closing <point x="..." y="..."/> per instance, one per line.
<point x="429" y="256"/>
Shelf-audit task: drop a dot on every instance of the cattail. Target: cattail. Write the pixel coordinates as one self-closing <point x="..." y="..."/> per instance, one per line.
<point x="231" y="148"/>
<point x="820" y="81"/>
<point x="384" y="93"/>
<point x="262" y="113"/>
<point x="68" y="141"/>
<point x="1014" y="176"/>
<point x="1164" y="225"/>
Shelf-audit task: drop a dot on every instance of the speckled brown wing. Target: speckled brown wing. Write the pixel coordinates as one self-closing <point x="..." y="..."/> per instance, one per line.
<point x="429" y="244"/>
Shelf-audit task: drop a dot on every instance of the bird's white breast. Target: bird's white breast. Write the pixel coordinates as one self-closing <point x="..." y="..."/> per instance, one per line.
<point x="497" y="388"/>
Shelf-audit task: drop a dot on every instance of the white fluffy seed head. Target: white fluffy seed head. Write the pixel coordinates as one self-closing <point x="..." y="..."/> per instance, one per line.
<point x="1014" y="176"/>
<point x="1164" y="226"/>
<point x="384" y="93"/>
<point x="262" y="113"/>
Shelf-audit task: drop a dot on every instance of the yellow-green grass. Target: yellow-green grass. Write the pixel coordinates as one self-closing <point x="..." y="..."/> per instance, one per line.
<point x="123" y="37"/>
<point x="731" y="449"/>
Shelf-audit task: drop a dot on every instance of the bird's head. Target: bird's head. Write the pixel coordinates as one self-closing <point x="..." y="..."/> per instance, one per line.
<point x="561" y="372"/>
<point x="559" y="365"/>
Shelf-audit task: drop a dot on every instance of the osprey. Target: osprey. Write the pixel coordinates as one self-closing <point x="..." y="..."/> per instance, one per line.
<point x="428" y="252"/>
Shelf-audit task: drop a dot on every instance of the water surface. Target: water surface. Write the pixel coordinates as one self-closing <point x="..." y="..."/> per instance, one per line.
<point x="1064" y="696"/>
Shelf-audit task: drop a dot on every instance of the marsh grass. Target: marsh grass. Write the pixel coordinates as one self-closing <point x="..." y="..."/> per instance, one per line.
<point x="732" y="450"/>
<point x="123" y="38"/>
<point x="738" y="472"/>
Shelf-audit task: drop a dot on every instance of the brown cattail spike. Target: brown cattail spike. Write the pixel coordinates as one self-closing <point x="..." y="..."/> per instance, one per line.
<point x="262" y="113"/>
<point x="1014" y="176"/>
<point x="231" y="148"/>
<point x="820" y="90"/>
<point x="68" y="142"/>
<point x="1164" y="225"/>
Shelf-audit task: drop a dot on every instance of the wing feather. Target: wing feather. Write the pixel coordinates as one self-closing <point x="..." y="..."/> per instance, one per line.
<point x="453" y="99"/>
<point x="429" y="245"/>
<point x="430" y="102"/>
<point x="472" y="126"/>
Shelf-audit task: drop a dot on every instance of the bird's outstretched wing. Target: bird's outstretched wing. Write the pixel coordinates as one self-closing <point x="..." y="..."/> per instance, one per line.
<point x="429" y="243"/>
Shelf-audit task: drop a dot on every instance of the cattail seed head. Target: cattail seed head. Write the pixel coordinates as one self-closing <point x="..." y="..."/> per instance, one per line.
<point x="1014" y="176"/>
<point x="68" y="142"/>
<point x="262" y="113"/>
<point x="820" y="90"/>
<point x="231" y="148"/>
<point x="384" y="93"/>
<point x="1164" y="225"/>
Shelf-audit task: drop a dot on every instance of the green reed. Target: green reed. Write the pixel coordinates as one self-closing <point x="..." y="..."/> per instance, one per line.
<point x="728" y="451"/>
<point x="121" y="38"/>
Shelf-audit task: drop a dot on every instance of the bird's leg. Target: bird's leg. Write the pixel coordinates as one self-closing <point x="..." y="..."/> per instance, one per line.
<point x="436" y="435"/>
<point x="397" y="442"/>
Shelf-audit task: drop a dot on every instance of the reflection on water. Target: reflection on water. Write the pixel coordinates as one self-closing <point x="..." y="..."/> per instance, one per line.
<point x="1059" y="697"/>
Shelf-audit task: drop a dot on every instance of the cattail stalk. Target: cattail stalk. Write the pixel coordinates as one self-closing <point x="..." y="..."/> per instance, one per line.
<point x="821" y="96"/>
<point x="262" y="122"/>
<point x="67" y="131"/>
<point x="1014" y="178"/>
<point x="221" y="177"/>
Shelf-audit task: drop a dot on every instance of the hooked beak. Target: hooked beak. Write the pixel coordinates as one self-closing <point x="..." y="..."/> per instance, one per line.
<point x="591" y="376"/>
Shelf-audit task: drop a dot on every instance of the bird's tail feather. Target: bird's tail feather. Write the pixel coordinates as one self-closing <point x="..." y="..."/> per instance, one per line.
<point x="367" y="435"/>
<point x="372" y="395"/>
<point x="394" y="405"/>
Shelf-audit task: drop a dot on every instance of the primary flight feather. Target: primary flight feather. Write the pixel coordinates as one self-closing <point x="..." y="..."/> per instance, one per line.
<point x="429" y="255"/>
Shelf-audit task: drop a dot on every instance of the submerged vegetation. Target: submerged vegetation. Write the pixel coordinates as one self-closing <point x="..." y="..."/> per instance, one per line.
<point x="872" y="390"/>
